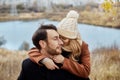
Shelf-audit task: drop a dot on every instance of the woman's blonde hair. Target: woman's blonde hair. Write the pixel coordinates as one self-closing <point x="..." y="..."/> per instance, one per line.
<point x="75" y="48"/>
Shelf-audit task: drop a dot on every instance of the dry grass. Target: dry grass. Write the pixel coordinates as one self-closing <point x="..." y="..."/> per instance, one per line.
<point x="10" y="63"/>
<point x="87" y="17"/>
<point x="105" y="64"/>
<point x="22" y="16"/>
<point x="100" y="19"/>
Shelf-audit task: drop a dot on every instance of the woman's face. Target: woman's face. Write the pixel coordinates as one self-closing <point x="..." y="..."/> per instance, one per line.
<point x="65" y="40"/>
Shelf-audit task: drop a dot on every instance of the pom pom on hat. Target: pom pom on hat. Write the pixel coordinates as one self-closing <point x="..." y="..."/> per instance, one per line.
<point x="68" y="26"/>
<point x="72" y="14"/>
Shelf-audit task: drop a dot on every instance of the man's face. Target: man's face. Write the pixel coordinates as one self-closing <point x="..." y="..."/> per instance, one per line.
<point x="54" y="43"/>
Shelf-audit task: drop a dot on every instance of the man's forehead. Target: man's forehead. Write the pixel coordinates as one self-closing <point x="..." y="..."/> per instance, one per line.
<point x="52" y="33"/>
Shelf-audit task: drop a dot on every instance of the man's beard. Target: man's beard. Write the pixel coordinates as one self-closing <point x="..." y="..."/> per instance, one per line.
<point x="52" y="51"/>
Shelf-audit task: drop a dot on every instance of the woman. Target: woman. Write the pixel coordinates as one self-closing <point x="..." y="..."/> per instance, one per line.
<point x="75" y="57"/>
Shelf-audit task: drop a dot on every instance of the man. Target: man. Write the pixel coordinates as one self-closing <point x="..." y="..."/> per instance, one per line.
<point x="47" y="40"/>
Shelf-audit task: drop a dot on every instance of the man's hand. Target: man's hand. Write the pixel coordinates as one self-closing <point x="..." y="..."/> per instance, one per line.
<point x="58" y="59"/>
<point x="49" y="64"/>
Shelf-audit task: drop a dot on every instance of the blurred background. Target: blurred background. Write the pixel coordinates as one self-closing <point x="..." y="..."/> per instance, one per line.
<point x="98" y="24"/>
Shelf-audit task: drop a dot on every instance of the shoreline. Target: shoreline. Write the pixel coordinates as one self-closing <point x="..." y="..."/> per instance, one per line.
<point x="91" y="18"/>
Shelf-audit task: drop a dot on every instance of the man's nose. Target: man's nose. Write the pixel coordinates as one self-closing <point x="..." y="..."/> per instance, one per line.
<point x="60" y="42"/>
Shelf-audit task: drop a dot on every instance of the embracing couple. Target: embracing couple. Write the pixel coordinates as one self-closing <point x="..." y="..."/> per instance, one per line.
<point x="59" y="53"/>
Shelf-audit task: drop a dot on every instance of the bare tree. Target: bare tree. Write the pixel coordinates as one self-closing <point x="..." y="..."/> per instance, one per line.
<point x="2" y="40"/>
<point x="24" y="46"/>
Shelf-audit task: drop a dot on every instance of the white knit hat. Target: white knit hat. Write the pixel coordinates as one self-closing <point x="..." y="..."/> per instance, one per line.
<point x="68" y="26"/>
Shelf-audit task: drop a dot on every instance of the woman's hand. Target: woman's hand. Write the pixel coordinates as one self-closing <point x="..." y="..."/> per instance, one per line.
<point x="49" y="63"/>
<point x="58" y="59"/>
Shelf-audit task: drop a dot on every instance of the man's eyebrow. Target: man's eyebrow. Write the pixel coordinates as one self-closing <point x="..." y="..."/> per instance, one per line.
<point x="56" y="37"/>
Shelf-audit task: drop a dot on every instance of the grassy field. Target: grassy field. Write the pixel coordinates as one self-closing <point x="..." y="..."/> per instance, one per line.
<point x="105" y="64"/>
<point x="10" y="63"/>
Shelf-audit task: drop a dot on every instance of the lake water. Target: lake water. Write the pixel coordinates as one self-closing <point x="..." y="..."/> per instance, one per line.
<point x="16" y="32"/>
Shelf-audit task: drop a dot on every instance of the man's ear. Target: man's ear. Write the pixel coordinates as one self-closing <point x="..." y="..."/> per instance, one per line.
<point x="42" y="43"/>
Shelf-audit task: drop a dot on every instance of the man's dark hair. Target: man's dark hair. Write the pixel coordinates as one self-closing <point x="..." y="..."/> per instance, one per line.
<point x="41" y="34"/>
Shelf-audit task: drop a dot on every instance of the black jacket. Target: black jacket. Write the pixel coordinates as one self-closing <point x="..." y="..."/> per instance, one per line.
<point x="32" y="71"/>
